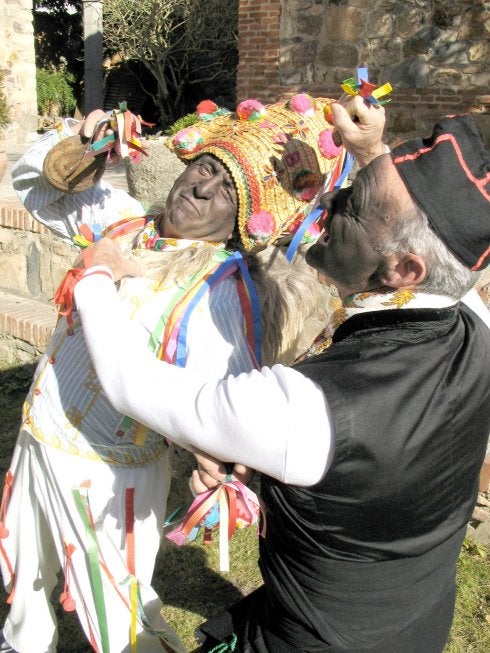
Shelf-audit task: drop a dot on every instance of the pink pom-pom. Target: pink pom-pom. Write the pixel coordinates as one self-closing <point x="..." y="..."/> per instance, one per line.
<point x="69" y="604"/>
<point x="327" y="146"/>
<point x="251" y="111"/>
<point x="261" y="225"/>
<point x="186" y="140"/>
<point x="302" y="104"/>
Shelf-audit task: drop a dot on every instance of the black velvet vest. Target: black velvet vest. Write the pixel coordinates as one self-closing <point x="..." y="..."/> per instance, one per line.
<point x="366" y="559"/>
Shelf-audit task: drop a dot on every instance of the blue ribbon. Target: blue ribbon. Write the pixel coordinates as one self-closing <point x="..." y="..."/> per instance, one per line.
<point x="300" y="232"/>
<point x="235" y="260"/>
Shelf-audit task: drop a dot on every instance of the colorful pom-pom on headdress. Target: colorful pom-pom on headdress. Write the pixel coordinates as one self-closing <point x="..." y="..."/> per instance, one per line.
<point x="279" y="155"/>
<point x="251" y="111"/>
<point x="302" y="104"/>
<point x="187" y="140"/>
<point x="208" y="110"/>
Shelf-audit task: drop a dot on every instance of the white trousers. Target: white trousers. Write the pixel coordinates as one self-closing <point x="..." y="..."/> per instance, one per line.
<point x="43" y="519"/>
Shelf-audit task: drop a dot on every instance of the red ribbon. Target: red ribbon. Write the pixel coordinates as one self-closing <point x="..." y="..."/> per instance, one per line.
<point x="64" y="296"/>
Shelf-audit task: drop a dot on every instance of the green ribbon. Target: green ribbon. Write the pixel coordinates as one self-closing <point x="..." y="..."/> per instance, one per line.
<point x="83" y="507"/>
<point x="225" y="647"/>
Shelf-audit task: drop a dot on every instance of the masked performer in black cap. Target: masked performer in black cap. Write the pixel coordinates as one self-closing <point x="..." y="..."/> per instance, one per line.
<point x="388" y="425"/>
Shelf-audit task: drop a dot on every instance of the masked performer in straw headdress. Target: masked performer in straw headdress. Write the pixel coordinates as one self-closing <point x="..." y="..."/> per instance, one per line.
<point x="87" y="486"/>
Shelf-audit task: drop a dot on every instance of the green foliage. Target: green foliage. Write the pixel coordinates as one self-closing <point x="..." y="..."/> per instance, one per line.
<point x="4" y="110"/>
<point x="187" y="46"/>
<point x="58" y="38"/>
<point x="181" y="123"/>
<point x="55" y="96"/>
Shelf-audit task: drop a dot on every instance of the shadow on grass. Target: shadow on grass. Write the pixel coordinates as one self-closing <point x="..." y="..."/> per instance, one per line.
<point x="184" y="580"/>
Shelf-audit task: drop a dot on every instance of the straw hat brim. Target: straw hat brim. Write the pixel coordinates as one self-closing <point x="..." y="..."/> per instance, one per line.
<point x="69" y="169"/>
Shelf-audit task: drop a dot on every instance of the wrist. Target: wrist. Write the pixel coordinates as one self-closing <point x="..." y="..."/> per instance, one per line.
<point x="365" y="156"/>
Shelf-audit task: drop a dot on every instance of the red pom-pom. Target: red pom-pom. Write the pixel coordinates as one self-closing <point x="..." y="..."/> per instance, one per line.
<point x="206" y="107"/>
<point x="68" y="602"/>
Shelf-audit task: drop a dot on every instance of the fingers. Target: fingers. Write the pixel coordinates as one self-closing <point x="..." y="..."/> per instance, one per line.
<point x="108" y="253"/>
<point x="91" y="121"/>
<point x="201" y="482"/>
<point x="360" y="126"/>
<point x="242" y="473"/>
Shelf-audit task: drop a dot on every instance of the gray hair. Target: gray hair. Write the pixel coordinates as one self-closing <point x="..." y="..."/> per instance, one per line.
<point x="445" y="274"/>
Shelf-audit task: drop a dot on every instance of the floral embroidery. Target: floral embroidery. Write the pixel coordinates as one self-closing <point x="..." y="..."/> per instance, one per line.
<point x="150" y="239"/>
<point x="305" y="185"/>
<point x="400" y="298"/>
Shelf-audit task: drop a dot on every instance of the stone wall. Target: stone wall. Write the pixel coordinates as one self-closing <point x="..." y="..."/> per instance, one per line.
<point x="32" y="264"/>
<point x="17" y="63"/>
<point x="435" y="53"/>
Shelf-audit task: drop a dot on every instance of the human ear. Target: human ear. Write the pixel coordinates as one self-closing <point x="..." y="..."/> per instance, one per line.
<point x="407" y="270"/>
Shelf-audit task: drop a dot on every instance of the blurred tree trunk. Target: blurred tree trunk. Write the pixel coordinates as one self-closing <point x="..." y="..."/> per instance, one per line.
<point x="93" y="53"/>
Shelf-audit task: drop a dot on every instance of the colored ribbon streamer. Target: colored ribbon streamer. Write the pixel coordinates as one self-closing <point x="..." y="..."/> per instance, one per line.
<point x="300" y="232"/>
<point x="250" y="303"/>
<point x="167" y="634"/>
<point x="131" y="563"/>
<point x="89" y="234"/>
<point x="230" y="504"/>
<point x="348" y="163"/>
<point x="360" y="85"/>
<point x="83" y="507"/>
<point x="126" y="135"/>
<point x="234" y="262"/>
<point x="64" y="295"/>
<point x="333" y="183"/>
<point x="169" y="337"/>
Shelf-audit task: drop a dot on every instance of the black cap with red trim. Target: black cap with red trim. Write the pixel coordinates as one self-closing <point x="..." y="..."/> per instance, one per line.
<point x="448" y="175"/>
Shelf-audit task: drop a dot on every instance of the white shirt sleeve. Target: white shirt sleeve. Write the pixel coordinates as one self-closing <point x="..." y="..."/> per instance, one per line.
<point x="63" y="213"/>
<point x="274" y="420"/>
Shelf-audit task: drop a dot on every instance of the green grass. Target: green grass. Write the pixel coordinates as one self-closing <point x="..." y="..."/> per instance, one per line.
<point x="205" y="595"/>
<point x="188" y="580"/>
<point x="471" y="627"/>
